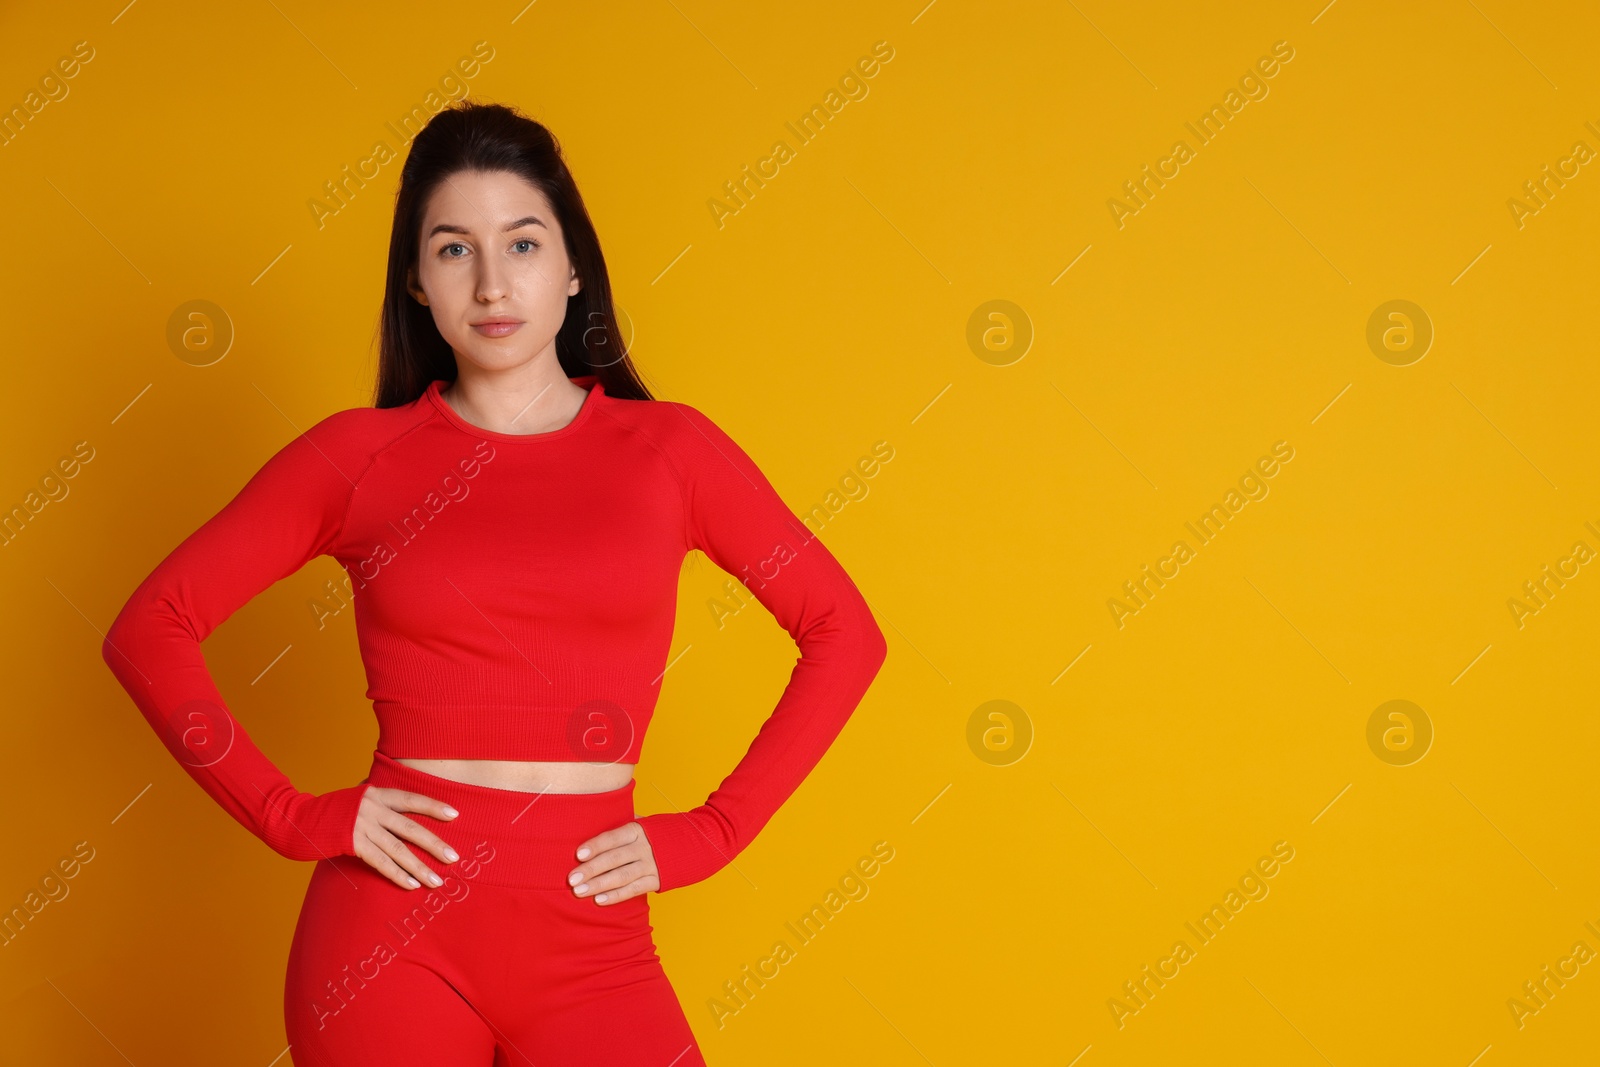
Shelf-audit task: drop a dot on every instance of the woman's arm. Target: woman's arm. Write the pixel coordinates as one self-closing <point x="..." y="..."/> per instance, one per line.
<point x="289" y="512"/>
<point x="736" y="517"/>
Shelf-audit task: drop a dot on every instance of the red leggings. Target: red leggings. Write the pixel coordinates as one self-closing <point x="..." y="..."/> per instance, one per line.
<point x="501" y="966"/>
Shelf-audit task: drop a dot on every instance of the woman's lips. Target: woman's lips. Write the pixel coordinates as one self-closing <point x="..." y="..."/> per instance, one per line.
<point x="497" y="329"/>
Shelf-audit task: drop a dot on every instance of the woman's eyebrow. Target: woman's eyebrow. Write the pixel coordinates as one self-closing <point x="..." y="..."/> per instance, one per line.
<point x="526" y="220"/>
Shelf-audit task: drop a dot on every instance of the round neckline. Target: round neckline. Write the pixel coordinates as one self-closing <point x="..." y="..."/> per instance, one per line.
<point x="590" y="382"/>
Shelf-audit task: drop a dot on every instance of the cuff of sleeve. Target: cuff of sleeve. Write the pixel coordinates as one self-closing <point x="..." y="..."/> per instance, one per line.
<point x="688" y="846"/>
<point x="319" y="826"/>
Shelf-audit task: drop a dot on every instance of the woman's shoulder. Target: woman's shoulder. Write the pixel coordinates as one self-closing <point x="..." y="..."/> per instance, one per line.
<point x="672" y="425"/>
<point x="694" y="445"/>
<point x="351" y="438"/>
<point x="365" y="424"/>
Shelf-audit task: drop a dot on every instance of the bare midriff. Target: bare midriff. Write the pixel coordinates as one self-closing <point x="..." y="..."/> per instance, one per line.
<point x="529" y="776"/>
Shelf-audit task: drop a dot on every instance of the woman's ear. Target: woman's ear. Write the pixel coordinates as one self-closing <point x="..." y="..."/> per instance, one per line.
<point x="414" y="289"/>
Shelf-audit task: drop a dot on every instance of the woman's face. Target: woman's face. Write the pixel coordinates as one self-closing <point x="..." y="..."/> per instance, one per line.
<point x="492" y="252"/>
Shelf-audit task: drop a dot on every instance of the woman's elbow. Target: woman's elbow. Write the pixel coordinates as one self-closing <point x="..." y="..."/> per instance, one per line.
<point x="141" y="616"/>
<point x="874" y="646"/>
<point x="114" y="646"/>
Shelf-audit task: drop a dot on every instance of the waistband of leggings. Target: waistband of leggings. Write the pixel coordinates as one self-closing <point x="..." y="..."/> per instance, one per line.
<point x="507" y="837"/>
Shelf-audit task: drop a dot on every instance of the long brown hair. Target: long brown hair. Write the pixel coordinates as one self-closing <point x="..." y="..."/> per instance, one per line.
<point x="469" y="136"/>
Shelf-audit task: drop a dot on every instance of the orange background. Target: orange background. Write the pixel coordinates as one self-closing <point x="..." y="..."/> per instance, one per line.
<point x="1045" y="451"/>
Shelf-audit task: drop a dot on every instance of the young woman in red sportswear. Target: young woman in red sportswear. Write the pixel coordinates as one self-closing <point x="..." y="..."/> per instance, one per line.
<point x="512" y="512"/>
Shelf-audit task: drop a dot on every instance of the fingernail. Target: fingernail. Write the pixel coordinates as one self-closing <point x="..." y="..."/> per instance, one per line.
<point x="450" y="854"/>
<point x="601" y="899"/>
<point x="412" y="882"/>
<point x="582" y="889"/>
<point x="583" y="853"/>
<point x="575" y="877"/>
<point x="451" y="812"/>
<point x="434" y="879"/>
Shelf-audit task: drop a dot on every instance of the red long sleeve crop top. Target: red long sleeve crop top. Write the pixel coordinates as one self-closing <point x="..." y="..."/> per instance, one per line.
<point x="514" y="599"/>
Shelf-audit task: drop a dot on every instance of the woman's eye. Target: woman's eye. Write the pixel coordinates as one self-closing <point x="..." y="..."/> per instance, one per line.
<point x="523" y="245"/>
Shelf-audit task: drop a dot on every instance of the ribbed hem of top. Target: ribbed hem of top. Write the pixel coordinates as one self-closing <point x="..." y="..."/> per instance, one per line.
<point x="510" y="732"/>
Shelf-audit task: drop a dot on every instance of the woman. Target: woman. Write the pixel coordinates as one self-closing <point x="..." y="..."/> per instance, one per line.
<point x="512" y="513"/>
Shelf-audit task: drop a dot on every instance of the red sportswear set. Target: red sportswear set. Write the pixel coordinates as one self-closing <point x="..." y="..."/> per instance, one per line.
<point x="514" y="599"/>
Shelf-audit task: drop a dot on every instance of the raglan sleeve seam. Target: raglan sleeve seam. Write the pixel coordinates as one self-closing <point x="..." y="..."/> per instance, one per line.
<point x="673" y="467"/>
<point x="355" y="483"/>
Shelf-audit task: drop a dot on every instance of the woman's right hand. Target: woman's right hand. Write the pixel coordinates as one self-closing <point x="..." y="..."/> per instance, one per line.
<point x="380" y="829"/>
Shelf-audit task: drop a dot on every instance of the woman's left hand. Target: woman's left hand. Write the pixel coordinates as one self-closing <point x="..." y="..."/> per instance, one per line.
<point x="617" y="864"/>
